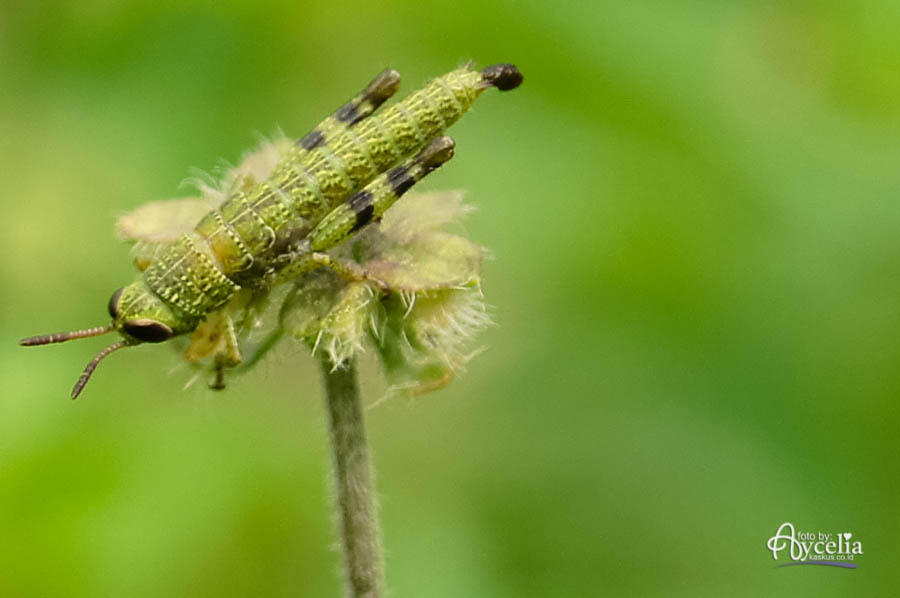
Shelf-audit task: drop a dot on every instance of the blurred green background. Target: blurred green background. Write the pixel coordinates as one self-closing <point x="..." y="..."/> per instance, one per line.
<point x="693" y="209"/>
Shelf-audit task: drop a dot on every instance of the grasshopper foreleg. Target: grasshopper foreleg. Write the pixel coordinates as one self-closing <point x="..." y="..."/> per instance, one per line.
<point x="216" y="337"/>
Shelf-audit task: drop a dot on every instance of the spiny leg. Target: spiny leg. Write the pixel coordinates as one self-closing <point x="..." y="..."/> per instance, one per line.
<point x="382" y="87"/>
<point x="367" y="205"/>
<point x="216" y="336"/>
<point x="374" y="199"/>
<point x="346" y="269"/>
<point x="228" y="356"/>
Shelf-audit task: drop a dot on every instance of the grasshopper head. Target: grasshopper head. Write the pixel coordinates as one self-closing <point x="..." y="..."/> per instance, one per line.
<point x="137" y="313"/>
<point x="140" y="316"/>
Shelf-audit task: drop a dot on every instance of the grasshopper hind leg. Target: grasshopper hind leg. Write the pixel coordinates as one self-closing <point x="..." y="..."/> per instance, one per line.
<point x="370" y="203"/>
<point x="366" y="206"/>
<point x="362" y="105"/>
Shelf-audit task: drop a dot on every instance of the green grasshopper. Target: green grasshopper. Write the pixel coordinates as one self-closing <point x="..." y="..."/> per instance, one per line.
<point x="341" y="176"/>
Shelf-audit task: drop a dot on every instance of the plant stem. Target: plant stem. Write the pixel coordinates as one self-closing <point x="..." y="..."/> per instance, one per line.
<point x="353" y="476"/>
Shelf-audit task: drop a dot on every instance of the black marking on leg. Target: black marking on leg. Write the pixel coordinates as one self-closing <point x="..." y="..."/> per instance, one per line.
<point x="400" y="180"/>
<point x="312" y="140"/>
<point x="502" y="76"/>
<point x="349" y="113"/>
<point x="363" y="204"/>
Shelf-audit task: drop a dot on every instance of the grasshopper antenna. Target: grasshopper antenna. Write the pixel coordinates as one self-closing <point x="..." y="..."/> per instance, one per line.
<point x="61" y="337"/>
<point x="89" y="369"/>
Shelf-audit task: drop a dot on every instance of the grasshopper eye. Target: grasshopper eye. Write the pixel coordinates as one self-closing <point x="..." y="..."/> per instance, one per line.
<point x="113" y="306"/>
<point x="148" y="331"/>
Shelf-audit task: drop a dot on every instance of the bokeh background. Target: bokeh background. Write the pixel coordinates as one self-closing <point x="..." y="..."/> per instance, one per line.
<point x="693" y="209"/>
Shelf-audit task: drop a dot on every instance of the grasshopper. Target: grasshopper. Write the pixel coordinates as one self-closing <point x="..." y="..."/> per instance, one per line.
<point x="337" y="179"/>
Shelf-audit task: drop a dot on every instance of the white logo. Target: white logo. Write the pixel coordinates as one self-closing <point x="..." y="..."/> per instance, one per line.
<point x="819" y="548"/>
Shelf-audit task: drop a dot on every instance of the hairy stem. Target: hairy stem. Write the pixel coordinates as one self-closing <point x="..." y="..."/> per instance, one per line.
<point x="353" y="476"/>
